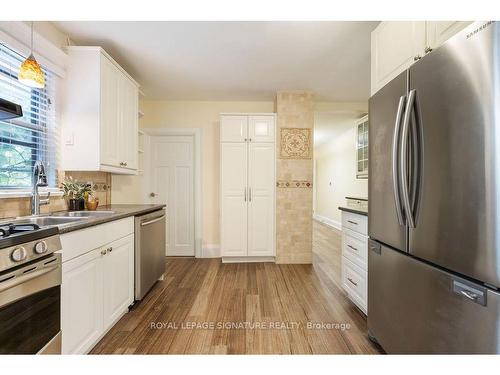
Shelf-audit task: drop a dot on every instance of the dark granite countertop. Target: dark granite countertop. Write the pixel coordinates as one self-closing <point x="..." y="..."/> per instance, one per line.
<point x="354" y="210"/>
<point x="121" y="211"/>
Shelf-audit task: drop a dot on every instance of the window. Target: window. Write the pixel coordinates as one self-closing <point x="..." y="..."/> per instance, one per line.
<point x="362" y="148"/>
<point x="29" y="138"/>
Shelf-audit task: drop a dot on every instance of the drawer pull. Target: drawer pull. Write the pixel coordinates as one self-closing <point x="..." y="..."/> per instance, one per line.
<point x="352" y="222"/>
<point x="352" y="247"/>
<point x="352" y="281"/>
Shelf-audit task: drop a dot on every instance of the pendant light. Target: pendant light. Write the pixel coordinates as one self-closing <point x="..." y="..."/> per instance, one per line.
<point x="30" y="72"/>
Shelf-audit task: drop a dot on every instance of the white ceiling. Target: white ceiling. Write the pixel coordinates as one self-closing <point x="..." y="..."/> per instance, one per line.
<point x="236" y="60"/>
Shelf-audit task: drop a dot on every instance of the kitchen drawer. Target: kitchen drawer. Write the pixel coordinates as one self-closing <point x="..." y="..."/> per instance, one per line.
<point x="84" y="240"/>
<point x="355" y="222"/>
<point x="355" y="283"/>
<point x="355" y="248"/>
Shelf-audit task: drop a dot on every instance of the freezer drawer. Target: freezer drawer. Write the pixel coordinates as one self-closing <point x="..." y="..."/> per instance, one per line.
<point x="416" y="308"/>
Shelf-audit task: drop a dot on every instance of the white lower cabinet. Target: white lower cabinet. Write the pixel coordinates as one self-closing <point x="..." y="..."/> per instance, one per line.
<point x="97" y="287"/>
<point x="355" y="258"/>
<point x="82" y="296"/>
<point x="118" y="279"/>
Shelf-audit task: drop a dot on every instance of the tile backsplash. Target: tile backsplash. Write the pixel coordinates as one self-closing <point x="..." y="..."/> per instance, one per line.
<point x="12" y="207"/>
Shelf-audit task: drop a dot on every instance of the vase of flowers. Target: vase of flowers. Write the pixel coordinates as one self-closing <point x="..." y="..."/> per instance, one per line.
<point x="74" y="192"/>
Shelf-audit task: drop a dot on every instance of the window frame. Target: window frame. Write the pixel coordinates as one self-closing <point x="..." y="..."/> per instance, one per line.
<point x="35" y="127"/>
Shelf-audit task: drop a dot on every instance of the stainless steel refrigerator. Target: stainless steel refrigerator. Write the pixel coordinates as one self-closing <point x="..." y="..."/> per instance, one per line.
<point x="434" y="201"/>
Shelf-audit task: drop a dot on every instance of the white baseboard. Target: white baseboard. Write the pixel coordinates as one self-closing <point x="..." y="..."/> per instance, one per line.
<point x="210" y="251"/>
<point x="248" y="259"/>
<point x="327" y="221"/>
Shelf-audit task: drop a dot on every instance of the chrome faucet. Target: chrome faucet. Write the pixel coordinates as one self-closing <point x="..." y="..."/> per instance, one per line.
<point x="40" y="180"/>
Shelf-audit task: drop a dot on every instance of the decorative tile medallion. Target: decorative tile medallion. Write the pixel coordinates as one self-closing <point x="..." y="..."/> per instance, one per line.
<point x="294" y="184"/>
<point x="295" y="143"/>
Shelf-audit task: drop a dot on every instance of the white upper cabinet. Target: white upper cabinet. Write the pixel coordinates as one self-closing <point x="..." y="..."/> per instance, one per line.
<point x="99" y="114"/>
<point x="439" y="32"/>
<point x="261" y="128"/>
<point x="110" y="116"/>
<point x="233" y="128"/>
<point x="396" y="45"/>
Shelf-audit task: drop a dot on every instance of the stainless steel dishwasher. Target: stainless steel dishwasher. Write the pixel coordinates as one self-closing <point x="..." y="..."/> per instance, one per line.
<point x="149" y="251"/>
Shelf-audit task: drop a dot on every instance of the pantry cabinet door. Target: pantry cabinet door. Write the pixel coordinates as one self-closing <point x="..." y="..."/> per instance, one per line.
<point x="439" y="32"/>
<point x="261" y="186"/>
<point x="394" y="47"/>
<point x="234" y="196"/>
<point x="233" y="128"/>
<point x="261" y="128"/>
<point x="110" y="116"/>
<point x="81" y="303"/>
<point x="118" y="279"/>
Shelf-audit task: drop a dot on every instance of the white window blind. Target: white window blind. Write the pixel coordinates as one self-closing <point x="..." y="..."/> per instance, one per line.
<point x="31" y="137"/>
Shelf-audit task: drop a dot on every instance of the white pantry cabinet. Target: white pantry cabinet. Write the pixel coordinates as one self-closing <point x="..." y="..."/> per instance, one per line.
<point x="99" y="114"/>
<point x="248" y="163"/>
<point x="97" y="282"/>
<point x="396" y="45"/>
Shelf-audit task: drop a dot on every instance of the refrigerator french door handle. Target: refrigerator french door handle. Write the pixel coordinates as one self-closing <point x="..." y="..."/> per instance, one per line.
<point x="417" y="155"/>
<point x="404" y="159"/>
<point x="395" y="172"/>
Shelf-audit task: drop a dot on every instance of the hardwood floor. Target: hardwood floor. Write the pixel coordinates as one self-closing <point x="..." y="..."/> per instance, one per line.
<point x="204" y="306"/>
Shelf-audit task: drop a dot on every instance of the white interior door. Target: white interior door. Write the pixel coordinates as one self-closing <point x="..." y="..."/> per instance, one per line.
<point x="172" y="182"/>
<point x="261" y="185"/>
<point x="234" y="197"/>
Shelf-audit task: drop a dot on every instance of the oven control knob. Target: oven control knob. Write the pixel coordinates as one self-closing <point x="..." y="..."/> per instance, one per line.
<point x="41" y="247"/>
<point x="19" y="254"/>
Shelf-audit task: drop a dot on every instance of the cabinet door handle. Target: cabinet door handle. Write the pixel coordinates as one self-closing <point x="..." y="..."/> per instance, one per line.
<point x="416" y="58"/>
<point x="352" y="281"/>
<point x="245" y="194"/>
<point x="428" y="49"/>
<point x="103" y="252"/>
<point x="352" y="247"/>
<point x="249" y="194"/>
<point x="352" y="222"/>
<point x="110" y="249"/>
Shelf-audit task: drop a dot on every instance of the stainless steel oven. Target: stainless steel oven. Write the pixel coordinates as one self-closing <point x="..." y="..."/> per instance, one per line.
<point x="30" y="307"/>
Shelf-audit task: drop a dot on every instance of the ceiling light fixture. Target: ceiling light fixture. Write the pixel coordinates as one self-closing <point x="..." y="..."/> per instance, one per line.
<point x="30" y="72"/>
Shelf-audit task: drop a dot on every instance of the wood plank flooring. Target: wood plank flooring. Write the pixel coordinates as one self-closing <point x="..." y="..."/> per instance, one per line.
<point x="204" y="306"/>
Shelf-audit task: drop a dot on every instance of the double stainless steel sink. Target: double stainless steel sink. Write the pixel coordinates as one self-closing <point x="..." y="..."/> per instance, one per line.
<point x="61" y="218"/>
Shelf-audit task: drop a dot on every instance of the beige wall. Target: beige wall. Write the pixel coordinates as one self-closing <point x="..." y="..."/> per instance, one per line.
<point x="203" y="115"/>
<point x="335" y="166"/>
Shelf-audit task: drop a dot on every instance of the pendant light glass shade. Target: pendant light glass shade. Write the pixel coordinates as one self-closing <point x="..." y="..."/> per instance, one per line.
<point x="30" y="72"/>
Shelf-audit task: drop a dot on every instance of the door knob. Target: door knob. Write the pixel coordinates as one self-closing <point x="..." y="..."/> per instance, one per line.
<point x="152" y="195"/>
